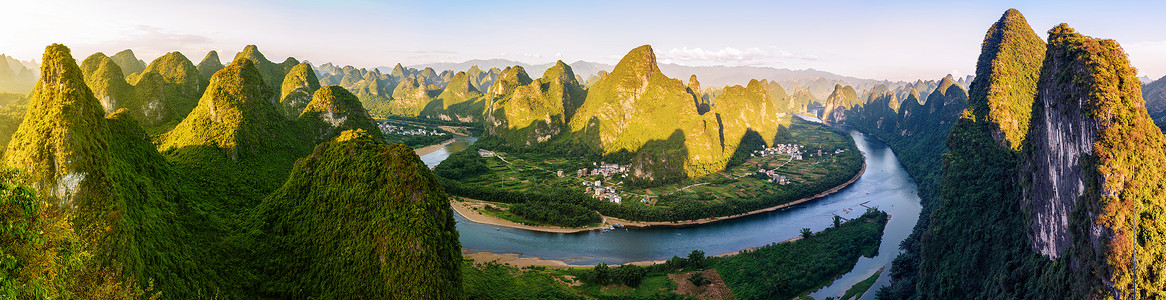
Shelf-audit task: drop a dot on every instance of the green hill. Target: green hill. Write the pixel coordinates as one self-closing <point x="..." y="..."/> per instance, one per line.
<point x="298" y="87"/>
<point x="459" y="101"/>
<point x="636" y="105"/>
<point x="526" y="112"/>
<point x="209" y="65"/>
<point x="106" y="81"/>
<point x="171" y="99"/>
<point x="1060" y="203"/>
<point x="841" y="99"/>
<point x="235" y="115"/>
<point x="271" y="72"/>
<point x="398" y="237"/>
<point x="411" y="96"/>
<point x="14" y="76"/>
<point x="115" y="218"/>
<point x="334" y="110"/>
<point x="129" y="63"/>
<point x="104" y="178"/>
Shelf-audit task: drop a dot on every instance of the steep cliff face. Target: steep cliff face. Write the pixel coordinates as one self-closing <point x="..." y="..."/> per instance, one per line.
<point x="1074" y="212"/>
<point x="835" y="106"/>
<point x="1061" y="139"/>
<point x="1090" y="133"/>
<point x="61" y="141"/>
<point x="980" y="183"/>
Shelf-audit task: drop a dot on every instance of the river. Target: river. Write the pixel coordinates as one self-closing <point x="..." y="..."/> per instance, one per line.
<point x="885" y="185"/>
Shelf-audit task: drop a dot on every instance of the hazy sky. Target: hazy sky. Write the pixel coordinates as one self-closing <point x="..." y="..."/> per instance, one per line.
<point x="900" y="40"/>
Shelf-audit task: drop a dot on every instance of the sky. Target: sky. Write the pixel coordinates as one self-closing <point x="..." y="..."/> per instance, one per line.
<point x="894" y="40"/>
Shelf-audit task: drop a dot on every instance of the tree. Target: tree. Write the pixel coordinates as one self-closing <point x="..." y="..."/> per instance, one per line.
<point x="806" y="233"/>
<point x="837" y="221"/>
<point x="696" y="259"/>
<point x="697" y="279"/>
<point x="629" y="274"/>
<point x="602" y="274"/>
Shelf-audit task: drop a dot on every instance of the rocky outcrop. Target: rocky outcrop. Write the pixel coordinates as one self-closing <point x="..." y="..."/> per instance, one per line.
<point x="334" y="110"/>
<point x="62" y="140"/>
<point x="1093" y="148"/>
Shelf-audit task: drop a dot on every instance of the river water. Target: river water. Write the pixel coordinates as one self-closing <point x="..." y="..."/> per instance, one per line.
<point x="885" y="185"/>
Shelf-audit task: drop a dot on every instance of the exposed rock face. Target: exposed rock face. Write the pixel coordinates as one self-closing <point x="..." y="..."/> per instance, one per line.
<point x="61" y="141"/>
<point x="333" y="110"/>
<point x="298" y="87"/>
<point x="835" y="106"/>
<point x="1061" y="137"/>
<point x="105" y="79"/>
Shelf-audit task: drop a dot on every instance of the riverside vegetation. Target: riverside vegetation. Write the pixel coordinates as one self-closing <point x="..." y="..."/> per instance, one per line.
<point x="528" y="186"/>
<point x="777" y="271"/>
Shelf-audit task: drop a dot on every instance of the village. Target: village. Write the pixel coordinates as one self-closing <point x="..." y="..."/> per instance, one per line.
<point x="390" y="128"/>
<point x="598" y="188"/>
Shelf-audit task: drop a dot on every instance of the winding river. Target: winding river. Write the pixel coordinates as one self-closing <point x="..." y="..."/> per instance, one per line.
<point x="885" y="185"/>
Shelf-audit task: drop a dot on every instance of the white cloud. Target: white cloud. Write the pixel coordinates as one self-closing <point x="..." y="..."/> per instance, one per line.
<point x="730" y="56"/>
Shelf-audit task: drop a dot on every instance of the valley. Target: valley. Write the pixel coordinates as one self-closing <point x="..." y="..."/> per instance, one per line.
<point x="383" y="169"/>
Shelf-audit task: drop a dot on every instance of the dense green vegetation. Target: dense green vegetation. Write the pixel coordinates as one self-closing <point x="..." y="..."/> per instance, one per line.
<point x="981" y="238"/>
<point x="531" y="177"/>
<point x="330" y="189"/>
<point x="861" y="287"/>
<point x="210" y="215"/>
<point x="786" y="270"/>
<point x="777" y="271"/>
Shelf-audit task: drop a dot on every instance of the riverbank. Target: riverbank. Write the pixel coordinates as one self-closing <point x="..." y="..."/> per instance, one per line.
<point x="431" y="148"/>
<point x="517" y="260"/>
<point x="465" y="209"/>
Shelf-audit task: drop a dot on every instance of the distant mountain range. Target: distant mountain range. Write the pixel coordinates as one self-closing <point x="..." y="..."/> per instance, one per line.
<point x="711" y="76"/>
